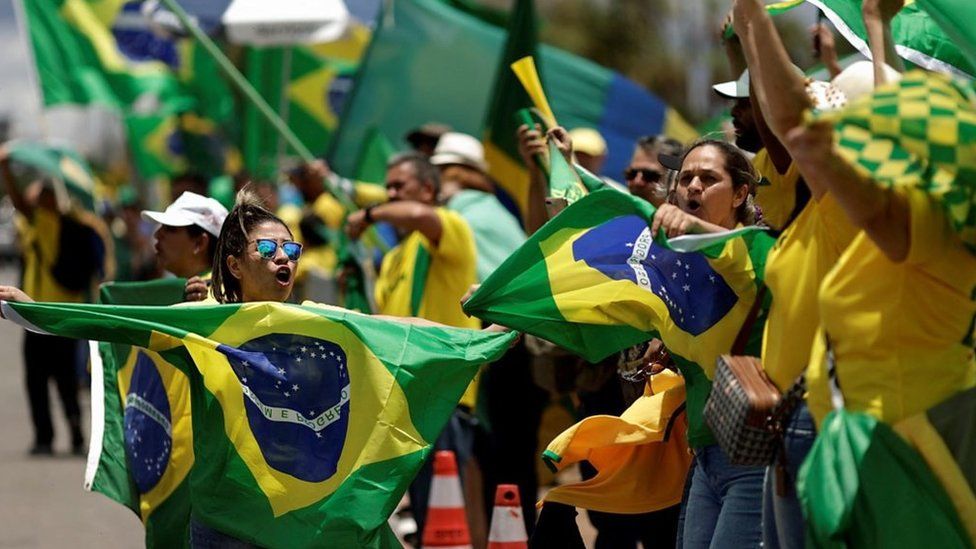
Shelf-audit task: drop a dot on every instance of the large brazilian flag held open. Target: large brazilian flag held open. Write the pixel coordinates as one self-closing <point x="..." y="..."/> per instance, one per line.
<point x="594" y="280"/>
<point x="309" y="421"/>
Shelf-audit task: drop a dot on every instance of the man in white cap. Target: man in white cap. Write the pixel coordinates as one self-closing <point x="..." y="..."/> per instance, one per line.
<point x="187" y="235"/>
<point x="467" y="190"/>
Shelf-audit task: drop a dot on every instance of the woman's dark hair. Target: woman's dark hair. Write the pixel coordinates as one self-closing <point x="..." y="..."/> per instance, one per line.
<point x="195" y="231"/>
<point x="740" y="169"/>
<point x="248" y="213"/>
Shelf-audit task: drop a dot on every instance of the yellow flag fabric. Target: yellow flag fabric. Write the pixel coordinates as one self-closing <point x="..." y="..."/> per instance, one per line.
<point x="145" y="379"/>
<point x="641" y="457"/>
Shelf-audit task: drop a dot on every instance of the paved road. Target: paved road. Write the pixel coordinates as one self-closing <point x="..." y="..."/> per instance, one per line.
<point x="42" y="502"/>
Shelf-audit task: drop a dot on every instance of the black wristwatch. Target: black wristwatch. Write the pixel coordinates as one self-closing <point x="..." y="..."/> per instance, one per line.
<point x="368" y="214"/>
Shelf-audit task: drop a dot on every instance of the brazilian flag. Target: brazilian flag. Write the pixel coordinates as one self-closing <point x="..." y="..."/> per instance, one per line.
<point x="501" y="145"/>
<point x="308" y="421"/>
<point x="594" y="280"/>
<point x="142" y="438"/>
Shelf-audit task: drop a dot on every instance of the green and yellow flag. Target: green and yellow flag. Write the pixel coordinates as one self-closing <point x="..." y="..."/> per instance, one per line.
<point x="917" y="35"/>
<point x="862" y="485"/>
<point x="501" y="145"/>
<point x="308" y="421"/>
<point x="308" y="85"/>
<point x="918" y="132"/>
<point x="142" y="438"/>
<point x="594" y="280"/>
<point x="105" y="52"/>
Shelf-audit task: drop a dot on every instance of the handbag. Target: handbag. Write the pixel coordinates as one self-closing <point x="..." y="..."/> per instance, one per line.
<point x="745" y="410"/>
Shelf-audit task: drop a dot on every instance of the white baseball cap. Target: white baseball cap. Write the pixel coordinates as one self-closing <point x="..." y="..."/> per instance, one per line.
<point x="857" y="80"/>
<point x="734" y="89"/>
<point x="460" y="148"/>
<point x="191" y="209"/>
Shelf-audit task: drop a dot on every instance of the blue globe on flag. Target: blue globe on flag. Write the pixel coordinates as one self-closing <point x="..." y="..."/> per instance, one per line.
<point x="696" y="296"/>
<point x="296" y="393"/>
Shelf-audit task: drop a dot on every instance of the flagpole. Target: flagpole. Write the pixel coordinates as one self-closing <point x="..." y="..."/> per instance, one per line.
<point x="32" y="76"/>
<point x="283" y="100"/>
<point x="254" y="97"/>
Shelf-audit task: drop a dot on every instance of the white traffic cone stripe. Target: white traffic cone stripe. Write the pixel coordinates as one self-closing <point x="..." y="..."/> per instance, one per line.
<point x="507" y="525"/>
<point x="445" y="492"/>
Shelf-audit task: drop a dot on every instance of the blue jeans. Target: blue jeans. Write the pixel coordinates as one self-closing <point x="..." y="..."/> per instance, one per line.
<point x="783" y="526"/>
<point x="724" y="503"/>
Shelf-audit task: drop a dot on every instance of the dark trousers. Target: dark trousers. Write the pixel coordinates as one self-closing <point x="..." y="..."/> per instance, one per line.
<point x="513" y="405"/>
<point x="557" y="528"/>
<point x="46" y="357"/>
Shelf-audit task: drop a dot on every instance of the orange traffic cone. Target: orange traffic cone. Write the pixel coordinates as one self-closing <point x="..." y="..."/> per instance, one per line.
<point x="446" y="524"/>
<point x="507" y="525"/>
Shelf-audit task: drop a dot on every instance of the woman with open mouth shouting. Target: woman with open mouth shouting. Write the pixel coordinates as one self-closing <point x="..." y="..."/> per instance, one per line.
<point x="712" y="193"/>
<point x="723" y="504"/>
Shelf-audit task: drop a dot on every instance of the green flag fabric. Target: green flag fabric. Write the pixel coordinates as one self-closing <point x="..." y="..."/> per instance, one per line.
<point x="955" y="17"/>
<point x="443" y="64"/>
<point x="176" y="110"/>
<point x="142" y="442"/>
<point x="594" y="281"/>
<point x="371" y="162"/>
<point x="918" y="37"/>
<point x="77" y="61"/>
<point x="564" y="181"/>
<point x="918" y="132"/>
<point x="308" y="421"/>
<point x="507" y="97"/>
<point x="862" y="485"/>
<point x="63" y="164"/>
<point x="307" y="86"/>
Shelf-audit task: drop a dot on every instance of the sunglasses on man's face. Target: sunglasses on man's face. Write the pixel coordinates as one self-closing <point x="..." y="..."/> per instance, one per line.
<point x="268" y="248"/>
<point x="647" y="174"/>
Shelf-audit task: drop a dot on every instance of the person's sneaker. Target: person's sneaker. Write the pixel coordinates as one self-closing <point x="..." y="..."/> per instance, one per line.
<point x="42" y="450"/>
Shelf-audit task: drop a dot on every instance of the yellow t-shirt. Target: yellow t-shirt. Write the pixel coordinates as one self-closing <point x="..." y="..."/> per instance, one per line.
<point x="427" y="281"/>
<point x="39" y="241"/>
<point x="777" y="199"/>
<point x="901" y="332"/>
<point x="795" y="267"/>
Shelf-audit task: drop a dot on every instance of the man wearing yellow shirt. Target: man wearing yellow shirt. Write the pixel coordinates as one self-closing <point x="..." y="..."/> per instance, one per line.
<point x="425" y="276"/>
<point x="434" y="265"/>
<point x="64" y="250"/>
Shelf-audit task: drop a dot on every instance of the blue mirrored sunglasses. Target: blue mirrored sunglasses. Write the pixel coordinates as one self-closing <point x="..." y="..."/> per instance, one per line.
<point x="267" y="248"/>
